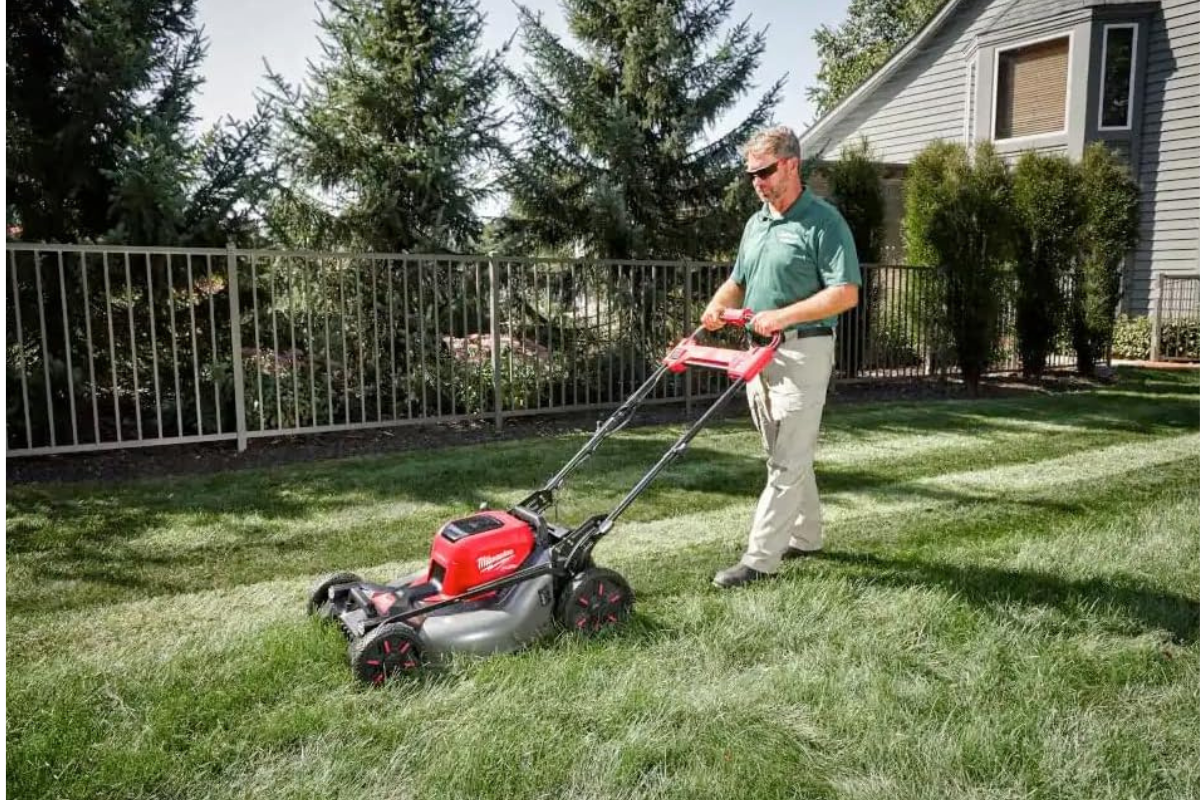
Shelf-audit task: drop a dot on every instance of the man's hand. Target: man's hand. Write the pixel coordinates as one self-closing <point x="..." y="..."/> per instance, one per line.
<point x="769" y="323"/>
<point x="729" y="295"/>
<point x="711" y="318"/>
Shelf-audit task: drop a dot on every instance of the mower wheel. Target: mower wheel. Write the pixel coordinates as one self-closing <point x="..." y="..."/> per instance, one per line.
<point x="595" y="600"/>
<point x="387" y="651"/>
<point x="318" y="597"/>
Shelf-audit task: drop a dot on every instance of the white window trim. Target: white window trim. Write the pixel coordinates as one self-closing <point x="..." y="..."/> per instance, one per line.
<point x="1069" y="35"/>
<point x="1103" y="74"/>
<point x="971" y="91"/>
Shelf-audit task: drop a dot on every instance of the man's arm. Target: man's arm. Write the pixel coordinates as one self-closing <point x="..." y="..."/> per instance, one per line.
<point x="729" y="295"/>
<point x="829" y="302"/>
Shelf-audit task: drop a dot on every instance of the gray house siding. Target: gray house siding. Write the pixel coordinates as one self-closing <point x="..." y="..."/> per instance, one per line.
<point x="945" y="90"/>
<point x="922" y="101"/>
<point x="1168" y="168"/>
<point x="1026" y="11"/>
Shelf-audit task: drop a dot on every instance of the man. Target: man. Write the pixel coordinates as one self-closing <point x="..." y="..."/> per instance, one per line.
<point x="796" y="269"/>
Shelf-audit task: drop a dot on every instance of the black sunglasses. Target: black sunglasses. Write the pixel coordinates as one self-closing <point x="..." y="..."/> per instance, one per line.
<point x="764" y="172"/>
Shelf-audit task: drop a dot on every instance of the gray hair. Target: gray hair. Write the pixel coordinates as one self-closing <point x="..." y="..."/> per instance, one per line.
<point x="780" y="142"/>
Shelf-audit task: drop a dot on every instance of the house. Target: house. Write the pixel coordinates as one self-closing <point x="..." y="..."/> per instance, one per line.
<point x="1053" y="76"/>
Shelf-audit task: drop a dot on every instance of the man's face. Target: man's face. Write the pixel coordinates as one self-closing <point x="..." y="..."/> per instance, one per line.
<point x="774" y="178"/>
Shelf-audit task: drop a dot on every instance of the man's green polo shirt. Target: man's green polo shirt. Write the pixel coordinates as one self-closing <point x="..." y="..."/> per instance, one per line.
<point x="790" y="258"/>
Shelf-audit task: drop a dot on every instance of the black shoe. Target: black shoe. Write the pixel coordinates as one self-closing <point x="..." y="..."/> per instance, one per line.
<point x="796" y="552"/>
<point x="736" y="576"/>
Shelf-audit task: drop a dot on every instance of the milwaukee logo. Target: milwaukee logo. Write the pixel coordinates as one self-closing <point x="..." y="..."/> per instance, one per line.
<point x="494" y="562"/>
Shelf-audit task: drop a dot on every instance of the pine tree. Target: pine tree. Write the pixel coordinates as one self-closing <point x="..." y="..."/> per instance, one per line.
<point x="614" y="159"/>
<point x="388" y="139"/>
<point x="101" y="147"/>
<point x="100" y="116"/>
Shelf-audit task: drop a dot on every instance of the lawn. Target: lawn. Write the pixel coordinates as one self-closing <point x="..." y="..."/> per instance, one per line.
<point x="1008" y="607"/>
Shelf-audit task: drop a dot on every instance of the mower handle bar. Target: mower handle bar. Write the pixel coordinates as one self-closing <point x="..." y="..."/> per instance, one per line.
<point x="739" y="317"/>
<point x="536" y="502"/>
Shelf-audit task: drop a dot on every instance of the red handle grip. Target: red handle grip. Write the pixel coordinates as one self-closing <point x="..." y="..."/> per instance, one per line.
<point x="737" y="316"/>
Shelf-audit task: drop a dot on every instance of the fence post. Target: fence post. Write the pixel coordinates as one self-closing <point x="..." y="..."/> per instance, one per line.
<point x="235" y="344"/>
<point x="494" y="325"/>
<point x="1156" y="320"/>
<point x="687" y="323"/>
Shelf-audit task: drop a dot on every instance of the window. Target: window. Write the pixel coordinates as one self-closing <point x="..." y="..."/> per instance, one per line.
<point x="1116" y="79"/>
<point x="1031" y="89"/>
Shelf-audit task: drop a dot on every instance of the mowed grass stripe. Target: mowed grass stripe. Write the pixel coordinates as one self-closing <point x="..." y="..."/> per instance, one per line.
<point x="155" y="628"/>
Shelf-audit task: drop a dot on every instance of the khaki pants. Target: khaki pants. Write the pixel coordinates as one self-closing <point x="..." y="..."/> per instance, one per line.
<point x="786" y="402"/>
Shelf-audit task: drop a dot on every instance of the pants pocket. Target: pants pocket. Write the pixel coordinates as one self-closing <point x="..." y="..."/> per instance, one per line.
<point x="760" y="414"/>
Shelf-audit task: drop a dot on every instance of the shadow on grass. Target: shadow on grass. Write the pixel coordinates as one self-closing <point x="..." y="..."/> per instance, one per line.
<point x="110" y="567"/>
<point x="987" y="587"/>
<point x="88" y="533"/>
<point x="1156" y="381"/>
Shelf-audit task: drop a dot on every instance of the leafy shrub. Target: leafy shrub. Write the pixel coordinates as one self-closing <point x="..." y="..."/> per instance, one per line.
<point x="1180" y="339"/>
<point x="529" y="375"/>
<point x="282" y="392"/>
<point x="1110" y="231"/>
<point x="892" y="346"/>
<point x="957" y="219"/>
<point x="1049" y="209"/>
<point x="1131" y="338"/>
<point x="857" y="192"/>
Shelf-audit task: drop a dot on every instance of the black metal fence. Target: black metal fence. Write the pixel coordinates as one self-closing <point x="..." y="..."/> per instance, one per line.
<point x="126" y="347"/>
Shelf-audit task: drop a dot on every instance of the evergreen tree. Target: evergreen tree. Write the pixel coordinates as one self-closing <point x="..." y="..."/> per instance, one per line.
<point x="388" y="139"/>
<point x="614" y="160"/>
<point x="42" y="196"/>
<point x="1048" y="201"/>
<point x="100" y="116"/>
<point x="1109" y="232"/>
<point x="957" y="219"/>
<point x="873" y="30"/>
<point x="101" y="147"/>
<point x="856" y="189"/>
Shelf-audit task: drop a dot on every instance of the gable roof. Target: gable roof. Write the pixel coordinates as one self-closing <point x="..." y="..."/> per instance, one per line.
<point x="884" y="71"/>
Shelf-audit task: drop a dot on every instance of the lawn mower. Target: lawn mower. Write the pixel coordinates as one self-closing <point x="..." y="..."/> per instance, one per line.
<point x="497" y="580"/>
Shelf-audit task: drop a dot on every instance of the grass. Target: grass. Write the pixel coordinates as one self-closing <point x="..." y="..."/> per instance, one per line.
<point x="1009" y="606"/>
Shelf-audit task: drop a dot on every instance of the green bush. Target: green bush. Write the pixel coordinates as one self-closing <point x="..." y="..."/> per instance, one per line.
<point x="281" y="391"/>
<point x="1131" y="338"/>
<point x="1180" y="339"/>
<point x="957" y="218"/>
<point x="1110" y="231"/>
<point x="1047" y="202"/>
<point x="892" y="345"/>
<point x="857" y="191"/>
<point x="530" y="376"/>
